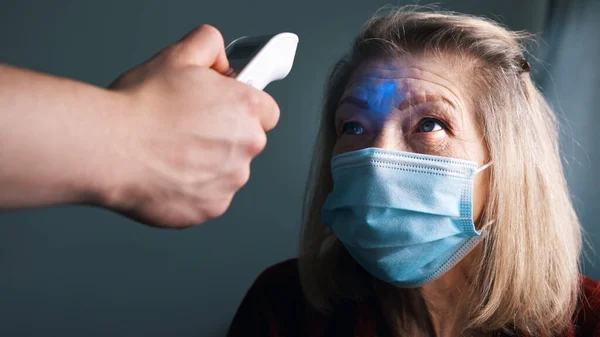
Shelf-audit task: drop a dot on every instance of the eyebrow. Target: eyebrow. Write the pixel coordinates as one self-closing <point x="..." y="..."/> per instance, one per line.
<point x="363" y="104"/>
<point x="424" y="99"/>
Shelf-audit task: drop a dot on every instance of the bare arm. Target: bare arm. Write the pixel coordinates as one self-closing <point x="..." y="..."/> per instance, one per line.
<point x="169" y="144"/>
<point x="55" y="139"/>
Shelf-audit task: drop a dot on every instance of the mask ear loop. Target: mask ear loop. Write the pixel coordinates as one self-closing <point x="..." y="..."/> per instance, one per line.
<point x="484" y="227"/>
<point x="484" y="166"/>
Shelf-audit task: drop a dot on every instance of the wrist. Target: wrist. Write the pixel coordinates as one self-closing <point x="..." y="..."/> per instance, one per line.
<point x="110" y="177"/>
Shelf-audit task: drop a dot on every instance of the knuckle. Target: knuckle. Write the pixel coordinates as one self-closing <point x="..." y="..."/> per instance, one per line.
<point x="275" y="112"/>
<point x="241" y="177"/>
<point x="262" y="106"/>
<point x="270" y="103"/>
<point x="251" y="99"/>
<point x="218" y="209"/>
<point x="258" y="143"/>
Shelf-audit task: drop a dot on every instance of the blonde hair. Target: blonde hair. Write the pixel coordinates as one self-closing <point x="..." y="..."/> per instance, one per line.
<point x="527" y="274"/>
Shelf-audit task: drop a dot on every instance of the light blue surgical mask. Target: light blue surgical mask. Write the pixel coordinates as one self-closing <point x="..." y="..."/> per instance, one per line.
<point x="406" y="218"/>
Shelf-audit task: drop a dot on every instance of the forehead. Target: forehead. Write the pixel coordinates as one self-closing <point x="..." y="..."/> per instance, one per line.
<point x="402" y="79"/>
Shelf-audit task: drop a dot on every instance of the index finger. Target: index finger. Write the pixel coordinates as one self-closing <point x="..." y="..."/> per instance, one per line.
<point x="266" y="109"/>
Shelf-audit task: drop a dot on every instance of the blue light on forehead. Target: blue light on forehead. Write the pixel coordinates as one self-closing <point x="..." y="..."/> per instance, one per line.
<point x="379" y="95"/>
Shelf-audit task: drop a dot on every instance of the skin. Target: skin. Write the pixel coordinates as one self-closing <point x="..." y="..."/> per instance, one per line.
<point x="418" y="104"/>
<point x="168" y="144"/>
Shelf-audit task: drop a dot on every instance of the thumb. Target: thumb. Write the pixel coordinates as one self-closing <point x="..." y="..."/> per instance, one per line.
<point x="204" y="46"/>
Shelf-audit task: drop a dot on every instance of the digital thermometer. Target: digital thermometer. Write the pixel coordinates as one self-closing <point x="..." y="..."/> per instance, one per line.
<point x="260" y="60"/>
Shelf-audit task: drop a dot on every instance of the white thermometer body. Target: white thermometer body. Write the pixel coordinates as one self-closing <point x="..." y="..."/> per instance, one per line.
<point x="260" y="60"/>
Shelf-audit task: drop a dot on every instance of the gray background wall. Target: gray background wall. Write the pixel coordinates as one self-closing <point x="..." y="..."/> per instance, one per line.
<point x="70" y="271"/>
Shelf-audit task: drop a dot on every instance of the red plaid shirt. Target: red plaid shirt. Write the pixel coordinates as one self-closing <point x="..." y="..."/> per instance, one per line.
<point x="275" y="306"/>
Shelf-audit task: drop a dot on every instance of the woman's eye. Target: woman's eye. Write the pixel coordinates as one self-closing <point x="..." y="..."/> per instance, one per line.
<point x="353" y="128"/>
<point x="430" y="125"/>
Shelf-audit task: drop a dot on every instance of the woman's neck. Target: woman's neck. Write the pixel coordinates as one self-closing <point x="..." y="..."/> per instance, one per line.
<point x="444" y="301"/>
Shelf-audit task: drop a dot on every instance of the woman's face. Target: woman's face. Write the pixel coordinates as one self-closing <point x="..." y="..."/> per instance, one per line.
<point x="415" y="104"/>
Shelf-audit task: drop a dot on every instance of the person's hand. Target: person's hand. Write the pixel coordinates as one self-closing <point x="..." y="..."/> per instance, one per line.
<point x="187" y="137"/>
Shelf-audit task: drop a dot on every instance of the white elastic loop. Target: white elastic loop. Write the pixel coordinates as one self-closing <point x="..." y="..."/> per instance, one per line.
<point x="483" y="167"/>
<point x="484" y="227"/>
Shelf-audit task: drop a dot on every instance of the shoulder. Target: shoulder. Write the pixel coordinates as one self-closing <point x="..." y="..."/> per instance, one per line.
<point x="591" y="289"/>
<point x="281" y="278"/>
<point x="587" y="317"/>
<point x="274" y="305"/>
<point x="285" y="270"/>
<point x="590" y="295"/>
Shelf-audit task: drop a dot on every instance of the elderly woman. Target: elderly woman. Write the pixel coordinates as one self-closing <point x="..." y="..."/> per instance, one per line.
<point x="438" y="204"/>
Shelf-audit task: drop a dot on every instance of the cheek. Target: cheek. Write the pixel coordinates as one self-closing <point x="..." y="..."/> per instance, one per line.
<point x="435" y="143"/>
<point x="348" y="143"/>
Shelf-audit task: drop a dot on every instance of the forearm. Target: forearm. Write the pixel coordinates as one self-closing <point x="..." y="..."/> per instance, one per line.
<point x="54" y="139"/>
